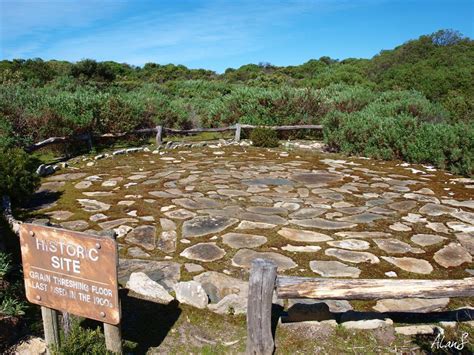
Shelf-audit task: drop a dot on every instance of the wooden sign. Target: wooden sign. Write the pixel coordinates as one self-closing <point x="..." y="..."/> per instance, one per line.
<point x="71" y="271"/>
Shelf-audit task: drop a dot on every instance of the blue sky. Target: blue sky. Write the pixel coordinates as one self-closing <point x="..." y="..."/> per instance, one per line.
<point x="218" y="34"/>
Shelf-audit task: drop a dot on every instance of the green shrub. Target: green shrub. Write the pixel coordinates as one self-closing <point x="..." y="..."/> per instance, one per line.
<point x="402" y="137"/>
<point x="264" y="137"/>
<point x="12" y="307"/>
<point x="82" y="341"/>
<point x="5" y="264"/>
<point x="262" y="106"/>
<point x="18" y="178"/>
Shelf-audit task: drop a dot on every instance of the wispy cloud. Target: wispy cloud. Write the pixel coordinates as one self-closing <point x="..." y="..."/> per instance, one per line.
<point x="112" y="30"/>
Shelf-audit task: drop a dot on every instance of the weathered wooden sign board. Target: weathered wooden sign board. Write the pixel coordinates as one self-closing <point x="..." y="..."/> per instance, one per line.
<point x="71" y="272"/>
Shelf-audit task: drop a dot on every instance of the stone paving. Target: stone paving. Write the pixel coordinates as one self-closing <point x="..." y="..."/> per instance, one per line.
<point x="183" y="212"/>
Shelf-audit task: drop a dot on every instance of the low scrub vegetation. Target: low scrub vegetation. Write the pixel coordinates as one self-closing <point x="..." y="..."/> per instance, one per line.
<point x="264" y="137"/>
<point x="82" y="341"/>
<point x="427" y="81"/>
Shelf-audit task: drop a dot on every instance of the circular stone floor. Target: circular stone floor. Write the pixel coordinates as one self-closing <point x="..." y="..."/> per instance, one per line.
<point x="314" y="214"/>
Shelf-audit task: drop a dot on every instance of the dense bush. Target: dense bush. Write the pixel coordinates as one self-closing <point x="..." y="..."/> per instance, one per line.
<point x="260" y="106"/>
<point x="18" y="179"/>
<point x="264" y="137"/>
<point x="402" y="137"/>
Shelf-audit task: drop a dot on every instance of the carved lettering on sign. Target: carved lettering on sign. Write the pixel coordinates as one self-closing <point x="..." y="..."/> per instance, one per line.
<point x="71" y="271"/>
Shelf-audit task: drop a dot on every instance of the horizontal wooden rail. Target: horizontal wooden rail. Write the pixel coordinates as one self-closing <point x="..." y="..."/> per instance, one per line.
<point x="55" y="140"/>
<point x="159" y="131"/>
<point x="286" y="128"/>
<point x="198" y="130"/>
<point x="371" y="289"/>
<point x="264" y="280"/>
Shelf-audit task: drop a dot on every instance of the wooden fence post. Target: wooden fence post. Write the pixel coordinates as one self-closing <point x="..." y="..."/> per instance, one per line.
<point x="51" y="327"/>
<point x="113" y="338"/>
<point x="66" y="324"/>
<point x="159" y="133"/>
<point x="238" y="129"/>
<point x="259" y="307"/>
<point x="113" y="333"/>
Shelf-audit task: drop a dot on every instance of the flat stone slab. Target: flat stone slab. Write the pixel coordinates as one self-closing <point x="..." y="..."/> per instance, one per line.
<point x="367" y="324"/>
<point x="403" y="206"/>
<point x="255" y="225"/>
<point x="301" y="249"/>
<point x="415" y="305"/>
<point x="203" y="225"/>
<point x="192" y="268"/>
<point x="93" y="205"/>
<point x="60" y="215"/>
<point x="435" y="209"/>
<point x="298" y="235"/>
<point x="180" y="214"/>
<point x="218" y="285"/>
<point x="351" y="244"/>
<point x="467" y="241"/>
<point x="456" y="203"/>
<point x="306" y="213"/>
<point x="241" y="240"/>
<point x="268" y="210"/>
<point x="333" y="269"/>
<point x="143" y="286"/>
<point x="352" y="256"/>
<point x="244" y="257"/>
<point x="366" y="217"/>
<point x="136" y="252"/>
<point x="78" y="225"/>
<point x="464" y="216"/>
<point x="97" y="193"/>
<point x="230" y="305"/>
<point x="143" y="236"/>
<point x="166" y="273"/>
<point x="66" y="177"/>
<point x="421" y="197"/>
<point x="452" y="255"/>
<point x="117" y="222"/>
<point x="263" y="218"/>
<point x="192" y="293"/>
<point x="400" y="227"/>
<point x="204" y="252"/>
<point x="267" y="181"/>
<point x="167" y="241"/>
<point x="427" y="239"/>
<point x="197" y="203"/>
<point x="411" y="330"/>
<point x="460" y="227"/>
<point x="232" y="193"/>
<point x="363" y="235"/>
<point x="395" y="246"/>
<point x="317" y="178"/>
<point x="321" y="223"/>
<point x="417" y="266"/>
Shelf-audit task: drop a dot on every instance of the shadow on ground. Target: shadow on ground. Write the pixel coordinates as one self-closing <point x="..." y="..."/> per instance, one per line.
<point x="43" y="199"/>
<point x="146" y="323"/>
<point x="320" y="311"/>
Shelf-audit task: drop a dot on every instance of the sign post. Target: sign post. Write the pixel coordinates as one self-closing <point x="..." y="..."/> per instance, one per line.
<point x="71" y="272"/>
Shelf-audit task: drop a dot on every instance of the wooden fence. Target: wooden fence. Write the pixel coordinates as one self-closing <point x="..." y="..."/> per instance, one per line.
<point x="264" y="280"/>
<point x="160" y="131"/>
